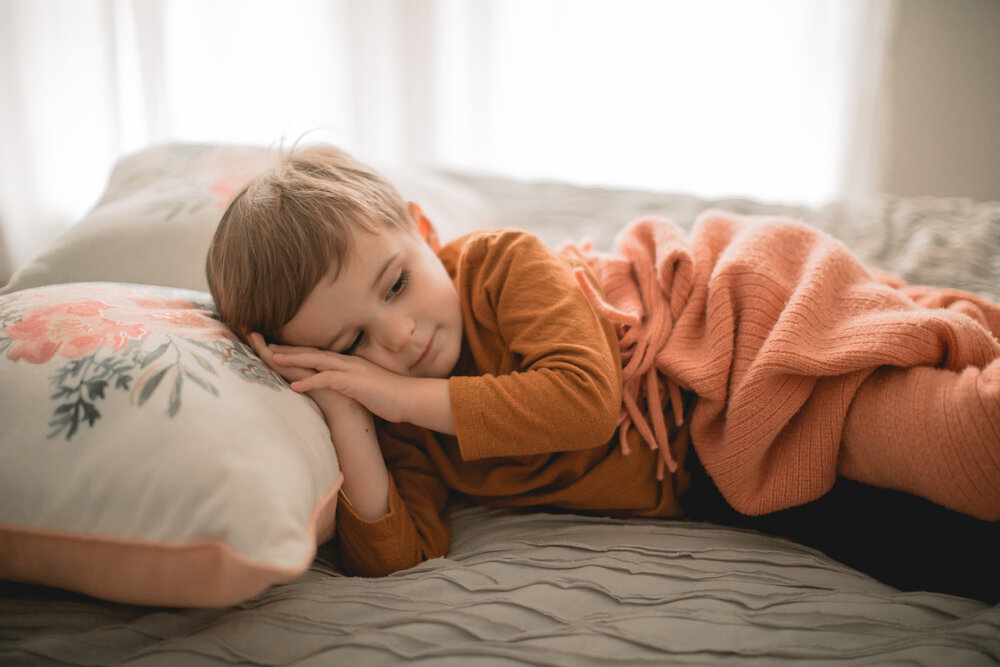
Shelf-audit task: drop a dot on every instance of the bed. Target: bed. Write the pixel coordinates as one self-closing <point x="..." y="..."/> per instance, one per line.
<point x="518" y="587"/>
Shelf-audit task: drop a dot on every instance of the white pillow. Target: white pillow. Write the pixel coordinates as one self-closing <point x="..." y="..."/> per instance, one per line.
<point x="161" y="207"/>
<point x="147" y="456"/>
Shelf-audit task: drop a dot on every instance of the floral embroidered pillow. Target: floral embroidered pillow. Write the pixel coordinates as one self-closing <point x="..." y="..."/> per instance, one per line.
<point x="147" y="455"/>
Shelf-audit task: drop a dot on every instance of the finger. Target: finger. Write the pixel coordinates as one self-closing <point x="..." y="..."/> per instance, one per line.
<point x="293" y="360"/>
<point x="289" y="373"/>
<point x="260" y="347"/>
<point x="257" y="342"/>
<point x="263" y="350"/>
<point x="324" y="361"/>
<point x="326" y="380"/>
<point x="292" y="349"/>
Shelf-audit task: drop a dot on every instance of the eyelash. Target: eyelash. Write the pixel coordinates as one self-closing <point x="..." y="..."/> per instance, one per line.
<point x="396" y="289"/>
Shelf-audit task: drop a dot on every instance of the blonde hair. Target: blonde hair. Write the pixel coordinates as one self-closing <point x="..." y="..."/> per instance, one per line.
<point x="290" y="227"/>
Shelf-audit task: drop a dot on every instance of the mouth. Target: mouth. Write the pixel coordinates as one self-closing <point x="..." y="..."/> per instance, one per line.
<point x="426" y="353"/>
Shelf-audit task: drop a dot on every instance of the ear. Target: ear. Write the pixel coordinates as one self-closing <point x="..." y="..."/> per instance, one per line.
<point x="424" y="226"/>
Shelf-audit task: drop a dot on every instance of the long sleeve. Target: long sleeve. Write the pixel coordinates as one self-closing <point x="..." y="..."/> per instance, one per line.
<point x="536" y="398"/>
<point x="549" y="375"/>
<point x="416" y="527"/>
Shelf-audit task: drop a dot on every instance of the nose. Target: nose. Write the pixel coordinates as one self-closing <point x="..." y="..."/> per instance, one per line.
<point x="395" y="331"/>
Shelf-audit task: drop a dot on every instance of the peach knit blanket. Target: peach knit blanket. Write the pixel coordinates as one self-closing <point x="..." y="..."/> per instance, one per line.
<point x="799" y="357"/>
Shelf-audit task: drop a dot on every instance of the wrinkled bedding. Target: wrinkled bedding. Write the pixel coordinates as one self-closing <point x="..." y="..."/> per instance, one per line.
<point x="561" y="589"/>
<point x="536" y="588"/>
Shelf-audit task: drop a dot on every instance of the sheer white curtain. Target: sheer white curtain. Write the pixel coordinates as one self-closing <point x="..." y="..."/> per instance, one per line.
<point x="716" y="97"/>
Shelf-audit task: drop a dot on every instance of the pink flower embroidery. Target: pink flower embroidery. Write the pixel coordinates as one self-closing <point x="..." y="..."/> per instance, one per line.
<point x="177" y="317"/>
<point x="231" y="168"/>
<point x="226" y="188"/>
<point x="158" y="303"/>
<point x="73" y="330"/>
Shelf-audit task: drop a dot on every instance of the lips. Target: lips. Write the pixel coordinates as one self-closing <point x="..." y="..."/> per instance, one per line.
<point x="426" y="352"/>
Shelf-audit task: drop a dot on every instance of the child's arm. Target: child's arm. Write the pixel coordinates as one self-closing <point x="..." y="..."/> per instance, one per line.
<point x="366" y="482"/>
<point x="416" y="527"/>
<point x="390" y="521"/>
<point x="550" y="375"/>
<point x="396" y="398"/>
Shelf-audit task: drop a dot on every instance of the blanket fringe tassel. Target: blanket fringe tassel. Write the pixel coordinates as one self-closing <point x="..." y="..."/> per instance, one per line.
<point x="639" y="342"/>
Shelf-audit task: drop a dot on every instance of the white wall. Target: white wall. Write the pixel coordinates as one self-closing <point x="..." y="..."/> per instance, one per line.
<point x="943" y="96"/>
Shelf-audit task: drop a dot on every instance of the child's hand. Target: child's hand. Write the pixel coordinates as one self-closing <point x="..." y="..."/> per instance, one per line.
<point x="290" y="373"/>
<point x="378" y="389"/>
<point x="332" y="403"/>
<point x="351" y="430"/>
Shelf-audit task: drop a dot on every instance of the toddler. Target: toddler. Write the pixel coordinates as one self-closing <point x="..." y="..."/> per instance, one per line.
<point x="515" y="375"/>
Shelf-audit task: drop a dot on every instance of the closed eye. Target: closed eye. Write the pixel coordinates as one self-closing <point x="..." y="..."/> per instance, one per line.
<point x="399" y="285"/>
<point x="397" y="288"/>
<point x="353" y="347"/>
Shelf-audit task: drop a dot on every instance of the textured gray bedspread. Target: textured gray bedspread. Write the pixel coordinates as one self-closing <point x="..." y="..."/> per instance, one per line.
<point x="539" y="588"/>
<point x="950" y="242"/>
<point x="542" y="589"/>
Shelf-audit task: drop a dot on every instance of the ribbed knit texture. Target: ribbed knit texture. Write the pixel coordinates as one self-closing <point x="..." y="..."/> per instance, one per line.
<point x="778" y="329"/>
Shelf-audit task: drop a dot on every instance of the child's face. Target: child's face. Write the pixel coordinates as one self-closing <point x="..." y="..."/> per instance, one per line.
<point x="393" y="303"/>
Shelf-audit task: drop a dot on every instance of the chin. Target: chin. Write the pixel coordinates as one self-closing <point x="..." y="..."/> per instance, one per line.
<point x="446" y="366"/>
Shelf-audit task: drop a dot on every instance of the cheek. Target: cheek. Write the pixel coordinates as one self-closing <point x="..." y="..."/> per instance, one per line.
<point x="446" y="306"/>
<point x="435" y="291"/>
<point x="384" y="359"/>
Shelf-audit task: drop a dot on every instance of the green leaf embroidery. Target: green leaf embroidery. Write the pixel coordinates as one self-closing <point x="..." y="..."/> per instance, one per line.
<point x="90" y="413"/>
<point x="154" y="355"/>
<point x="151" y="384"/>
<point x="95" y="388"/>
<point x="175" y="395"/>
<point x="79" y="384"/>
<point x="204" y="364"/>
<point x="204" y="384"/>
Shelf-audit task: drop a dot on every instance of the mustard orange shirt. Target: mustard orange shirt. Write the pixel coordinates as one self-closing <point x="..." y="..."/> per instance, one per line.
<point x="535" y="396"/>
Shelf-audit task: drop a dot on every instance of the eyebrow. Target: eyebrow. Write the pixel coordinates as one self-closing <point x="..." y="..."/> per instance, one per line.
<point x="378" y="279"/>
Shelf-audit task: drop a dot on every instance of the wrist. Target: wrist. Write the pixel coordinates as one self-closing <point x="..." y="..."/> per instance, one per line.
<point x="352" y="431"/>
<point x="337" y="408"/>
<point x="427" y="403"/>
<point x="366" y="479"/>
